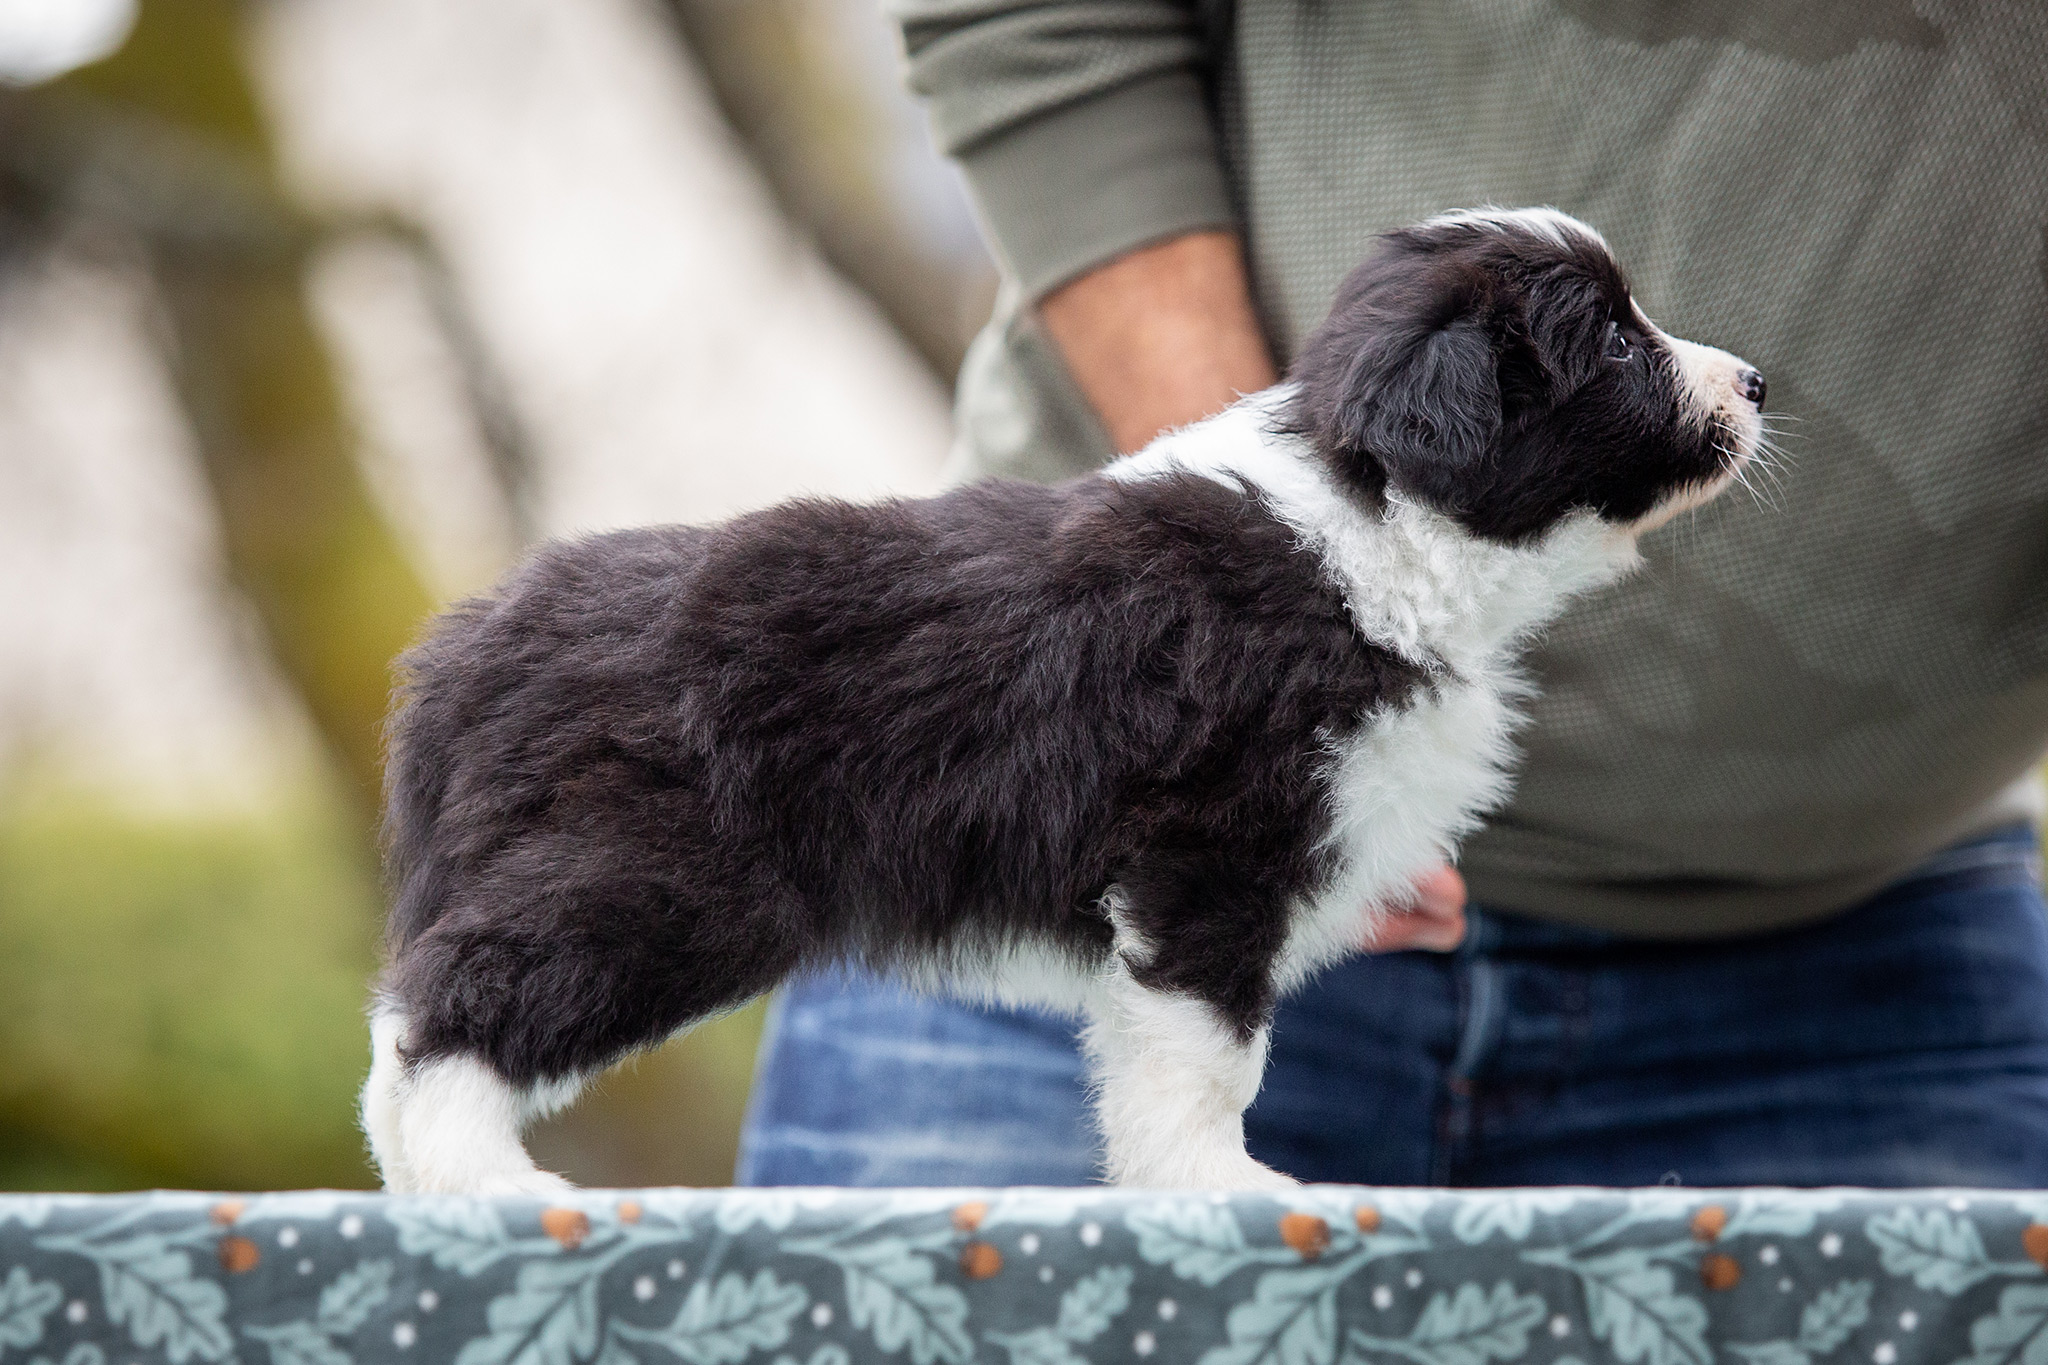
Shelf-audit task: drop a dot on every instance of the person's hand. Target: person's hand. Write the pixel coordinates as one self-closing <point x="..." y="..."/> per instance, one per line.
<point x="1433" y="919"/>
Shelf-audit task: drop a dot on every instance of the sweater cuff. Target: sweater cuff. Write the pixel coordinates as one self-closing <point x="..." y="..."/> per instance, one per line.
<point x="1078" y="186"/>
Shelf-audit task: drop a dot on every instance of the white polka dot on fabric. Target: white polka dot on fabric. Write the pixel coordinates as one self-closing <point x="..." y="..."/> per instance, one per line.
<point x="1831" y="1245"/>
<point x="1167" y="1309"/>
<point x="643" y="1288"/>
<point x="1413" y="1279"/>
<point x="429" y="1301"/>
<point x="305" y="1265"/>
<point x="1785" y="1286"/>
<point x="675" y="1270"/>
<point x="821" y="1315"/>
<point x="1091" y="1233"/>
<point x="76" y="1310"/>
<point x="1908" y="1320"/>
<point x="351" y="1226"/>
<point x="404" y="1335"/>
<point x="1768" y="1255"/>
<point x="1144" y="1343"/>
<point x="1045" y="1274"/>
<point x="1560" y="1326"/>
<point x="1885" y="1354"/>
<point x="287" y="1237"/>
<point x="1028" y="1244"/>
<point x="1382" y="1297"/>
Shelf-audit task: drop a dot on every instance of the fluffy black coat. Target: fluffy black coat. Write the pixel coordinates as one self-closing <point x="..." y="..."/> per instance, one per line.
<point x="659" y="770"/>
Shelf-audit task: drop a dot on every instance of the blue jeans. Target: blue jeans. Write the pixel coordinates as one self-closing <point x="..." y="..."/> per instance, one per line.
<point x="1904" y="1042"/>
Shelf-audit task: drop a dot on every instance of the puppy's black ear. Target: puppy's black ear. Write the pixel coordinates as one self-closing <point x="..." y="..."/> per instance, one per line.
<point x="1418" y="411"/>
<point x="1431" y="416"/>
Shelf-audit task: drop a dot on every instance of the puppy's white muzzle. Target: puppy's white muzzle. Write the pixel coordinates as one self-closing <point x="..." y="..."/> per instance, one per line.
<point x="1719" y="385"/>
<point x="1720" y="390"/>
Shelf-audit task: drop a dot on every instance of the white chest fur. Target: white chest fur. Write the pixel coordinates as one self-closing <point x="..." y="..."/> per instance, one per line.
<point x="1408" y="786"/>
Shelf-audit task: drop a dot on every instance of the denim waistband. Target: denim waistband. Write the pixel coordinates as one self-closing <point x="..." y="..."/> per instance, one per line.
<point x="2007" y="856"/>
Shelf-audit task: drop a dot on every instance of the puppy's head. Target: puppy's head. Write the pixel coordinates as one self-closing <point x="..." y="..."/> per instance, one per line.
<point x="1493" y="366"/>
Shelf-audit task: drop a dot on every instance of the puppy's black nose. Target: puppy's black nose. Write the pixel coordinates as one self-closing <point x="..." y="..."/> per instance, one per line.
<point x="1750" y="385"/>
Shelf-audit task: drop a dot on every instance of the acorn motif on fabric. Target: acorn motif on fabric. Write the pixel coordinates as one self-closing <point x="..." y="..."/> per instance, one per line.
<point x="567" y="1226"/>
<point x="238" y="1254"/>
<point x="1306" y="1233"/>
<point x="1719" y="1271"/>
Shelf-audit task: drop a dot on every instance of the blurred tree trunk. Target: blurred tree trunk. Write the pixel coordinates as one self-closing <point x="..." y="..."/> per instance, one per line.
<point x="164" y="144"/>
<point x="336" y="596"/>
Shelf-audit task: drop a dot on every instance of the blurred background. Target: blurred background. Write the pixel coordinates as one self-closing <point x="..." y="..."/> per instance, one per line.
<point x="312" y="314"/>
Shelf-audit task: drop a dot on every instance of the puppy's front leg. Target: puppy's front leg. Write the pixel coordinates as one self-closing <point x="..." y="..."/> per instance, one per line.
<point x="1177" y="1042"/>
<point x="1172" y="1081"/>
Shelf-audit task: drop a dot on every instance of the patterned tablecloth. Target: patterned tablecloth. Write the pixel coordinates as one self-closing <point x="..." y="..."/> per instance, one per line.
<point x="1325" y="1276"/>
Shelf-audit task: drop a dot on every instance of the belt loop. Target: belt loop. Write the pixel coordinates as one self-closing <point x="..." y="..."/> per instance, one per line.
<point x="1482" y="933"/>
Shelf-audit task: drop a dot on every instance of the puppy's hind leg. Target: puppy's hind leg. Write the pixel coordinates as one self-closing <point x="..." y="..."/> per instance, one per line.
<point x="604" y="929"/>
<point x="450" y="1124"/>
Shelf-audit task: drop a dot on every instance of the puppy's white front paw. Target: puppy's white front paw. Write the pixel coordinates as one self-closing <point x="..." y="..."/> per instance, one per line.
<point x="1248" y="1176"/>
<point x="1256" y="1176"/>
<point x="1233" y="1171"/>
<point x="529" y="1184"/>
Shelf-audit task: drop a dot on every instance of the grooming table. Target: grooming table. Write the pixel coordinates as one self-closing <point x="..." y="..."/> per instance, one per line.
<point x="1324" y="1276"/>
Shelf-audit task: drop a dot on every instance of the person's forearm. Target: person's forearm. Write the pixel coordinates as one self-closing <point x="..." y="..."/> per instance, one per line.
<point x="1162" y="336"/>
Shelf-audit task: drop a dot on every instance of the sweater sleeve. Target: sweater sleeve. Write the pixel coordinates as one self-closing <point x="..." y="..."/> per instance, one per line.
<point x="1081" y="124"/>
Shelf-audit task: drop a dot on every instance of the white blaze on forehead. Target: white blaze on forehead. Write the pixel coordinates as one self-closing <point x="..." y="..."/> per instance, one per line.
<point x="1552" y="224"/>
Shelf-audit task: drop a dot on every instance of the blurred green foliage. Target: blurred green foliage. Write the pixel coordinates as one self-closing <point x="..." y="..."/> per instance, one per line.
<point x="185" y="995"/>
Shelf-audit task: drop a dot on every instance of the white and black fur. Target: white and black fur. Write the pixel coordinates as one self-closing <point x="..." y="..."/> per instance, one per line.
<point x="1145" y="746"/>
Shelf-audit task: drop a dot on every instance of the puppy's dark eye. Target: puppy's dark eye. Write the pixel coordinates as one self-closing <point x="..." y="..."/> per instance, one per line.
<point x="1617" y="342"/>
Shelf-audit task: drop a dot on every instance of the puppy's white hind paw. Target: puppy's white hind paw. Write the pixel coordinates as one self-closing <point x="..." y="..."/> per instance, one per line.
<point x="458" y="1127"/>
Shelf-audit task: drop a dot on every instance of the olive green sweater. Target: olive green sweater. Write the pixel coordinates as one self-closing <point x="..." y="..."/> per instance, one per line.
<point x="1800" y="696"/>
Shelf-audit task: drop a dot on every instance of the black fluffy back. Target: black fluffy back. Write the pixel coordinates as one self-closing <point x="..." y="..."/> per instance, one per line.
<point x="657" y="771"/>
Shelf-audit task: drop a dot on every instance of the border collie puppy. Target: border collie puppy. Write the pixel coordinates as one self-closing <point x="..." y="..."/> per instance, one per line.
<point x="1144" y="746"/>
